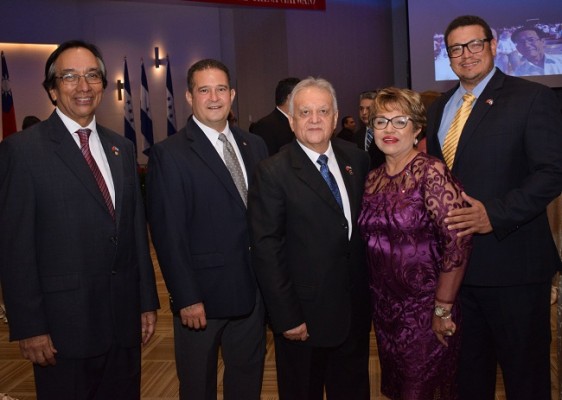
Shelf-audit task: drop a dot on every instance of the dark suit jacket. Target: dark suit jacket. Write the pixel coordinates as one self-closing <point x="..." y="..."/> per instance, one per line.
<point x="67" y="269"/>
<point x="346" y="134"/>
<point x="307" y="268"/>
<point x="377" y="156"/>
<point x="198" y="222"/>
<point x="509" y="157"/>
<point x="275" y="130"/>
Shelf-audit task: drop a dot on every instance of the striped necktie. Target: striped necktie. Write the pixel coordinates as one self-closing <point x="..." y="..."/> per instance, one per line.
<point x="454" y="133"/>
<point x="84" y="135"/>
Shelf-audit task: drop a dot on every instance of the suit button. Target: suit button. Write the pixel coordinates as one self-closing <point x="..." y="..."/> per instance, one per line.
<point x="113" y="240"/>
<point x="113" y="272"/>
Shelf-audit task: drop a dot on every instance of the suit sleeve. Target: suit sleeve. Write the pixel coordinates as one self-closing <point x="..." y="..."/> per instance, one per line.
<point x="19" y="273"/>
<point x="267" y="214"/>
<point x="168" y="199"/>
<point x="148" y="294"/>
<point x="543" y="152"/>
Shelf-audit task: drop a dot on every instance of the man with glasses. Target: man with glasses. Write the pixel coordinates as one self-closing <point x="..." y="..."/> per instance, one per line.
<point x="529" y="41"/>
<point x="508" y="156"/>
<point x="76" y="271"/>
<point x="308" y="254"/>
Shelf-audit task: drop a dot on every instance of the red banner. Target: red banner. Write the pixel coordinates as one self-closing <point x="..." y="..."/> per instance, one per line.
<point x="300" y="4"/>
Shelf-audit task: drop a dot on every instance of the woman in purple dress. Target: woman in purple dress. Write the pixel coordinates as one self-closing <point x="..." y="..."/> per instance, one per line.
<point x="416" y="264"/>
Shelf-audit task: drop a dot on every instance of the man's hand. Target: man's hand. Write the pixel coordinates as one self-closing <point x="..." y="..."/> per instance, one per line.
<point x="194" y="316"/>
<point x="298" y="333"/>
<point x="39" y="350"/>
<point x="468" y="220"/>
<point x="148" y="324"/>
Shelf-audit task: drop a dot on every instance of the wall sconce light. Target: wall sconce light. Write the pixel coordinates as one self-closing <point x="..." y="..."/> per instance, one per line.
<point x="119" y="90"/>
<point x="156" y="57"/>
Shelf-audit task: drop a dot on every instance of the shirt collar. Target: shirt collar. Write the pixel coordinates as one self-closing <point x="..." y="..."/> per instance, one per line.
<point x="72" y="125"/>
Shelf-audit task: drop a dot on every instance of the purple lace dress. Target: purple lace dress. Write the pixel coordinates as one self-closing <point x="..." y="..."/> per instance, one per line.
<point x="413" y="259"/>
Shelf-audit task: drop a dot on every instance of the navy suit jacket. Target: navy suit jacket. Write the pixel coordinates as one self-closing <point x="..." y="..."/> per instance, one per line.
<point x="307" y="267"/>
<point x="509" y="157"/>
<point x="67" y="268"/>
<point x="198" y="222"/>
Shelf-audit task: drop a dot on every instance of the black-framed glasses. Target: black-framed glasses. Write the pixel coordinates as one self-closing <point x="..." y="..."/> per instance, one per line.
<point x="474" y="46"/>
<point x="399" y="122"/>
<point x="73" y="79"/>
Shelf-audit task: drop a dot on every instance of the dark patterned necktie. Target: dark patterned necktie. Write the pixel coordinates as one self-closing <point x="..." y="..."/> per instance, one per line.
<point x="84" y="135"/>
<point x="233" y="166"/>
<point x="329" y="178"/>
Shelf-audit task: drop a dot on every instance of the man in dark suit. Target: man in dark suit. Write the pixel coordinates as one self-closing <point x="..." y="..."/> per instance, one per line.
<point x="308" y="256"/>
<point x="364" y="134"/>
<point x="75" y="267"/>
<point x="197" y="185"/>
<point x="347" y="128"/>
<point x="509" y="160"/>
<point x="274" y="128"/>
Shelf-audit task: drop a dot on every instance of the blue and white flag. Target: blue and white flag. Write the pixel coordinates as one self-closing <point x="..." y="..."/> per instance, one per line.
<point x="170" y="100"/>
<point x="146" y="119"/>
<point x="129" y="117"/>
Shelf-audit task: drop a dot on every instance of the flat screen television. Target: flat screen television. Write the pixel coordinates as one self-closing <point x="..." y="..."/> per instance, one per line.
<point x="428" y="19"/>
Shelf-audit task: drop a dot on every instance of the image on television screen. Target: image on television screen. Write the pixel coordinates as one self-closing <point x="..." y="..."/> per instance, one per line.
<point x="529" y="49"/>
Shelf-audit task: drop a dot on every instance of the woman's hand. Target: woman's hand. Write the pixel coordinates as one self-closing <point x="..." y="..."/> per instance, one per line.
<point x="443" y="327"/>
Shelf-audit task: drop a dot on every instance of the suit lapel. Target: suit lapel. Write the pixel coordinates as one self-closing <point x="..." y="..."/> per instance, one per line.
<point x="70" y="154"/>
<point x="306" y="171"/>
<point x="115" y="161"/>
<point x="352" y="186"/>
<point x="208" y="154"/>
<point x="479" y="111"/>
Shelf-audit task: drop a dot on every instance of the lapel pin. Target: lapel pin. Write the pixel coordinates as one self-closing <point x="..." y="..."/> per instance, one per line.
<point x="490" y="102"/>
<point x="349" y="169"/>
<point x="115" y="150"/>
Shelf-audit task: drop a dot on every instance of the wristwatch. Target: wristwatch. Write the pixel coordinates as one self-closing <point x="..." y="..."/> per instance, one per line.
<point x="441" y="312"/>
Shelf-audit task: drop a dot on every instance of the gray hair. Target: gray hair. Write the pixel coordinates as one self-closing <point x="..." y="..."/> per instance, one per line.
<point x="319" y="83"/>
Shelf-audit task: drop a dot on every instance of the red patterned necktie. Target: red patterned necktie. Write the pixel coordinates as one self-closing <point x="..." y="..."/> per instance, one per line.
<point x="84" y="135"/>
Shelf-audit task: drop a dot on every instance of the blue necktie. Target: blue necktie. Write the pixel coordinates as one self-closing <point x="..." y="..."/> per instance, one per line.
<point x="329" y="178"/>
<point x="368" y="138"/>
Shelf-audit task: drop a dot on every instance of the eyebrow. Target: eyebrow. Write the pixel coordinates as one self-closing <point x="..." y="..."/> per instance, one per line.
<point x="68" y="70"/>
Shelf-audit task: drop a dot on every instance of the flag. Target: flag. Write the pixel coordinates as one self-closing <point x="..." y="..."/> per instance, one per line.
<point x="170" y="99"/>
<point x="146" y="119"/>
<point x="8" y="112"/>
<point x="129" y="117"/>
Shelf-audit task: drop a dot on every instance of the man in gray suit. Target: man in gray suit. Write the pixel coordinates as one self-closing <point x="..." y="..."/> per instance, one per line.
<point x="75" y="267"/>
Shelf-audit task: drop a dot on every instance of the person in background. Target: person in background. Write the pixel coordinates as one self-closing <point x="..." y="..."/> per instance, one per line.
<point x="196" y="186"/>
<point x="76" y="270"/>
<point x="508" y="156"/>
<point x="232" y="120"/>
<point x="28" y="121"/>
<point x="416" y="264"/>
<point x="274" y="128"/>
<point x="308" y="256"/>
<point x="364" y="134"/>
<point x="530" y="42"/>
<point x="347" y="128"/>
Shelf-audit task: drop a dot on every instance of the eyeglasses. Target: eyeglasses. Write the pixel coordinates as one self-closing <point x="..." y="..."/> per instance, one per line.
<point x="73" y="79"/>
<point x="530" y="40"/>
<point x="474" y="46"/>
<point x="399" y="122"/>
